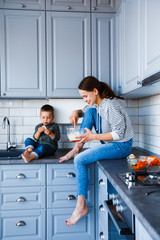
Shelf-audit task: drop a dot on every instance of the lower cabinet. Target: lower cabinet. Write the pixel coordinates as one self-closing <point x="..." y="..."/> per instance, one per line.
<point x="37" y="199"/>
<point x="140" y="232"/>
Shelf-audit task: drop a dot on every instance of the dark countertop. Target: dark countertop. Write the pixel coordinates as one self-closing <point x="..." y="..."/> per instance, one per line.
<point x="53" y="159"/>
<point x="145" y="208"/>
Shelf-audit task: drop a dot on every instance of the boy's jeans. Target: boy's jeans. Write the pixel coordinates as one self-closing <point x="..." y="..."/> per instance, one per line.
<point x="39" y="149"/>
<point x="108" y="150"/>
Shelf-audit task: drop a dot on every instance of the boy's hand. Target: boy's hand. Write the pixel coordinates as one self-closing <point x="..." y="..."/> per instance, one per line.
<point x="41" y="129"/>
<point x="47" y="131"/>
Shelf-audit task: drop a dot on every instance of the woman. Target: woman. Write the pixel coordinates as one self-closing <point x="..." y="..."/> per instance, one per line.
<point x="113" y="129"/>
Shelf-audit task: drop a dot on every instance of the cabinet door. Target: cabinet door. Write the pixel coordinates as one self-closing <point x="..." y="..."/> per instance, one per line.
<point x="102" y="47"/>
<point x="23" y="54"/>
<point x="65" y="5"/>
<point x="18" y="225"/>
<point x="103" y="5"/>
<point x="25" y="4"/>
<point x="22" y="175"/>
<point x="140" y="232"/>
<point x="131" y="46"/>
<point x="68" y="53"/>
<point x="151" y="40"/>
<point x="57" y="229"/>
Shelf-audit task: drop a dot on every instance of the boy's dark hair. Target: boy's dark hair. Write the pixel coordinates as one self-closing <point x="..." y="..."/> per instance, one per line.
<point x="47" y="108"/>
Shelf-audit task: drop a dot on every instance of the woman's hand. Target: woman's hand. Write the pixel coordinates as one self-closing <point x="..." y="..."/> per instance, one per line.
<point x="88" y="136"/>
<point x="74" y="118"/>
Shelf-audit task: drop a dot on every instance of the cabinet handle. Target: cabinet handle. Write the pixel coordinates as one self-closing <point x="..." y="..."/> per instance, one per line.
<point x="71" y="197"/>
<point x="23" y="6"/>
<point x="139" y="83"/>
<point x="101" y="208"/>
<point x="20" y="223"/>
<point x="21" y="176"/>
<point x="21" y="199"/>
<point x="101" y="235"/>
<point x="101" y="182"/>
<point x="4" y="94"/>
<point x="68" y="7"/>
<point x="71" y="175"/>
<point x="94" y="8"/>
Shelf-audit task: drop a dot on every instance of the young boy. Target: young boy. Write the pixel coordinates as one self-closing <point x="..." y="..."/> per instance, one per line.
<point x="45" y="137"/>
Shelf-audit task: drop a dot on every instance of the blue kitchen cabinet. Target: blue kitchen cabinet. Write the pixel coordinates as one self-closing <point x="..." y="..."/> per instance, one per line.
<point x="102" y="47"/>
<point x="36" y="200"/>
<point x="25" y="4"/>
<point x="68" y="52"/>
<point x="140" y="232"/>
<point x="104" y="6"/>
<point x="22" y="202"/>
<point x="23" y="69"/>
<point x="61" y="201"/>
<point x="101" y="213"/>
<point x="65" y="5"/>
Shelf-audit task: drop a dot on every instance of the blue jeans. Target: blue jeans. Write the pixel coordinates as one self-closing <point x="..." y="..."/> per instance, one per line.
<point x="107" y="150"/>
<point x="39" y="149"/>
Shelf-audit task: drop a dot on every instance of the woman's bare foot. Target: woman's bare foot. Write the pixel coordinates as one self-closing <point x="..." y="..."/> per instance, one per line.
<point x="71" y="154"/>
<point x="29" y="157"/>
<point x="80" y="211"/>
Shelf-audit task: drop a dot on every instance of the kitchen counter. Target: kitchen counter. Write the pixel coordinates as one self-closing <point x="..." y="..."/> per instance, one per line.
<point x="145" y="208"/>
<point x="53" y="159"/>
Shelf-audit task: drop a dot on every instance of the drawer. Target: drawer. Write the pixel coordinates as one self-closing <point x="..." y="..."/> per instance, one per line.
<point x="103" y="232"/>
<point x="25" y="4"/>
<point x="59" y="196"/>
<point x="57" y="229"/>
<point x="22" y="198"/>
<point x="102" y="185"/>
<point x="64" y="174"/>
<point x="18" y="225"/>
<point x="22" y="175"/>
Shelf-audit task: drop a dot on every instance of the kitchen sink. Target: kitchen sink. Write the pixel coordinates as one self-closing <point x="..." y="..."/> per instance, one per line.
<point x="11" y="154"/>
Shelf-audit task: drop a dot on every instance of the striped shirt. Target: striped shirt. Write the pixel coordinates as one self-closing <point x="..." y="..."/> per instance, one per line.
<point x="114" y="119"/>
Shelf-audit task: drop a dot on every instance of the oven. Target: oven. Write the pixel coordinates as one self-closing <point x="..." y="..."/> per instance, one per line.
<point x="121" y="220"/>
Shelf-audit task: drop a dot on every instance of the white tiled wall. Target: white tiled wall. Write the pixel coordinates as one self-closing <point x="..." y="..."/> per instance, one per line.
<point x="149" y="123"/>
<point x="24" y="115"/>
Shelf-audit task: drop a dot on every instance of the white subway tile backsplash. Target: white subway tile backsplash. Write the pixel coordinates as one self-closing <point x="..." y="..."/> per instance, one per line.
<point x="31" y="121"/>
<point x="150" y="110"/>
<point x="23" y="112"/>
<point x="133" y="103"/>
<point x="4" y="112"/>
<point x="34" y="103"/>
<point x="24" y="116"/>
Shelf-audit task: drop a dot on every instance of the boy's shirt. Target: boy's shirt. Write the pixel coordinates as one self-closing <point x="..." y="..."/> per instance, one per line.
<point x="45" y="139"/>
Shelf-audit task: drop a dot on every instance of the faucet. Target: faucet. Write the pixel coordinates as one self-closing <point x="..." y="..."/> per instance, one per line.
<point x="9" y="145"/>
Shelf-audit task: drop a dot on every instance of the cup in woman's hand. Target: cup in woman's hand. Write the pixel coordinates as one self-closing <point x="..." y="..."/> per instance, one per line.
<point x="74" y="134"/>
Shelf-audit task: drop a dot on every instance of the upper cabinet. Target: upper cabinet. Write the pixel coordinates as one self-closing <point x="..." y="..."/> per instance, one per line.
<point x="104" y="5"/>
<point x="129" y="45"/>
<point x="68" y="52"/>
<point x="151" y="39"/>
<point x="137" y="43"/>
<point x="25" y="4"/>
<point x="65" y="5"/>
<point x="102" y="46"/>
<point x="22" y="39"/>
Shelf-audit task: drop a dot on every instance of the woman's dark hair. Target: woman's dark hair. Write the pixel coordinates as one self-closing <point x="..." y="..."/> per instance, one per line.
<point x="104" y="90"/>
<point x="47" y="108"/>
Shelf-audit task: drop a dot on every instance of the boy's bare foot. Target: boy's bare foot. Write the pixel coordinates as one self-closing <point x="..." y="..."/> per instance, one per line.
<point x="77" y="215"/>
<point x="29" y="157"/>
<point x="27" y="152"/>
